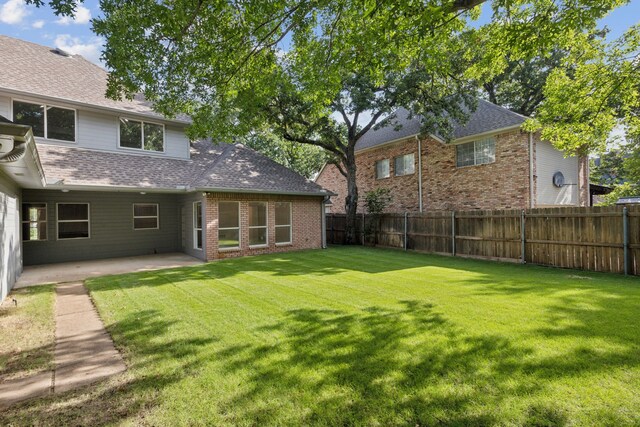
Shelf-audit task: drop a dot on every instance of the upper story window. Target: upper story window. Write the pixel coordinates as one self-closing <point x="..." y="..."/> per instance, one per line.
<point x="141" y="135"/>
<point x="404" y="165"/>
<point x="476" y="152"/>
<point x="382" y="169"/>
<point x="46" y="121"/>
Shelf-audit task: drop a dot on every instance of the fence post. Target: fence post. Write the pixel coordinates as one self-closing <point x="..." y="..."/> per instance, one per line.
<point x="453" y="233"/>
<point x="625" y="232"/>
<point x="333" y="237"/>
<point x="363" y="229"/>
<point x="522" y="238"/>
<point x="405" y="230"/>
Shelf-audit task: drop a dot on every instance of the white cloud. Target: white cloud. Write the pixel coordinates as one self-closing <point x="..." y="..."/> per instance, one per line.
<point x="13" y="11"/>
<point x="38" y="24"/>
<point x="82" y="16"/>
<point x="89" y="49"/>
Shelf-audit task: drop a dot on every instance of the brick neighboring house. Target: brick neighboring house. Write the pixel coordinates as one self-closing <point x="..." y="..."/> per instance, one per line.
<point x="84" y="177"/>
<point x="490" y="164"/>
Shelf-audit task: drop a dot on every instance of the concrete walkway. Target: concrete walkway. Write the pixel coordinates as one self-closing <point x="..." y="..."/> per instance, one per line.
<point x="81" y="270"/>
<point x="84" y="352"/>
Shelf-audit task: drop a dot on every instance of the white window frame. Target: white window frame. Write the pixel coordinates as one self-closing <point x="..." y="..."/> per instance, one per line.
<point x="265" y="226"/>
<point x="388" y="169"/>
<point x="46" y="221"/>
<point x="75" y="119"/>
<point x="239" y="227"/>
<point x="290" y="226"/>
<point x="197" y="207"/>
<point x="88" y="221"/>
<point x="475" y="152"/>
<point x="156" y="216"/>
<point x="142" y="122"/>
<point x="403" y="156"/>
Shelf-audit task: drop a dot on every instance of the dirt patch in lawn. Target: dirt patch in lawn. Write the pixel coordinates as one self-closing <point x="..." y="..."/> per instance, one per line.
<point x="28" y="338"/>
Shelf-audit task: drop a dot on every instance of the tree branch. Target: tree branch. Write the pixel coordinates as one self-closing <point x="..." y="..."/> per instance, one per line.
<point x="369" y="125"/>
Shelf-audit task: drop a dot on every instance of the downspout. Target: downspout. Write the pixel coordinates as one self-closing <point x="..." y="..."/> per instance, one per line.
<point x="419" y="173"/>
<point x="323" y="222"/>
<point x="531" y="190"/>
<point x="19" y="150"/>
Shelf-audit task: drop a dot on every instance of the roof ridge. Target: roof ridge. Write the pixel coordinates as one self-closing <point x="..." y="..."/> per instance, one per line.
<point x="269" y="159"/>
<point x="213" y="164"/>
<point x="500" y="107"/>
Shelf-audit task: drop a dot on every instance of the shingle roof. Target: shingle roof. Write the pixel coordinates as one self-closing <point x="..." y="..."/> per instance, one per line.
<point x="241" y="168"/>
<point x="211" y="168"/>
<point x="37" y="70"/>
<point x="486" y="118"/>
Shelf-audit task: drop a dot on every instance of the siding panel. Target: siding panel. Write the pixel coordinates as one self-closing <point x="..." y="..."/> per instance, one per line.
<point x="5" y="107"/>
<point x="10" y="245"/>
<point x="549" y="161"/>
<point x="111" y="227"/>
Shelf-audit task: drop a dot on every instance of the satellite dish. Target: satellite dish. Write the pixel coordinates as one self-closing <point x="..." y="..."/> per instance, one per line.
<point x="558" y="179"/>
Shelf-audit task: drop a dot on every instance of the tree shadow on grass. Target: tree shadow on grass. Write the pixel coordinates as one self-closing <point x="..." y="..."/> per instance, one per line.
<point x="125" y="396"/>
<point x="403" y="366"/>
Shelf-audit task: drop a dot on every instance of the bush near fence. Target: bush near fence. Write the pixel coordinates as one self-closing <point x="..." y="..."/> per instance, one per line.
<point x="593" y="238"/>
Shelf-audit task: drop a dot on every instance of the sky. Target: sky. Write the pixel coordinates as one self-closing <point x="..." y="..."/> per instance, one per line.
<point x="41" y="26"/>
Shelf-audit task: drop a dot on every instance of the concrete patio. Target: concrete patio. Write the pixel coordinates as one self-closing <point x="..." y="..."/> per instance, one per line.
<point x="82" y="270"/>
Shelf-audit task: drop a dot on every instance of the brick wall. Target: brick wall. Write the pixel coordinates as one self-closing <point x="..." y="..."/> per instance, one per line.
<point x="503" y="184"/>
<point x="305" y="216"/>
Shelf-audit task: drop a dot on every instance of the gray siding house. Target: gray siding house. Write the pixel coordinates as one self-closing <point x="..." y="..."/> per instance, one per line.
<point x="84" y="177"/>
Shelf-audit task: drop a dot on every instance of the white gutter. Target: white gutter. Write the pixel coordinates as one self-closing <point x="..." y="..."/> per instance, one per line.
<point x="419" y="173"/>
<point x="531" y="189"/>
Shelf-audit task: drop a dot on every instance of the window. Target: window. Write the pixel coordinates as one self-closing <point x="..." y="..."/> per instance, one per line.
<point x="382" y="169"/>
<point x="145" y="216"/>
<point x="228" y="225"/>
<point x="141" y="135"/>
<point x="257" y="223"/>
<point x="404" y="165"/>
<point x="283" y="222"/>
<point x="73" y="221"/>
<point x="46" y="121"/>
<point x="197" y="225"/>
<point x="476" y="152"/>
<point x="34" y="221"/>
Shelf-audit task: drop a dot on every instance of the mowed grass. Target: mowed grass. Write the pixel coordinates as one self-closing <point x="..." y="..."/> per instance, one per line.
<point x="27" y="335"/>
<point x="357" y="336"/>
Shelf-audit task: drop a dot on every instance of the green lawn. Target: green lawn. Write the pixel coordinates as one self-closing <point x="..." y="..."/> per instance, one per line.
<point x="354" y="336"/>
<point x="28" y="332"/>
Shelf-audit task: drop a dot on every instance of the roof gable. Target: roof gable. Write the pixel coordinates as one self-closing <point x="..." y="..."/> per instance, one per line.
<point x="486" y="118"/>
<point x="29" y="69"/>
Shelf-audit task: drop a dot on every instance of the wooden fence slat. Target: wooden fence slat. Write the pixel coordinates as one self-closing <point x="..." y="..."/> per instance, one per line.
<point x="570" y="237"/>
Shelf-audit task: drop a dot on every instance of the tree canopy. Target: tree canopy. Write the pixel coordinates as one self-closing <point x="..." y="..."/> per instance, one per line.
<point x="324" y="72"/>
<point x="596" y="90"/>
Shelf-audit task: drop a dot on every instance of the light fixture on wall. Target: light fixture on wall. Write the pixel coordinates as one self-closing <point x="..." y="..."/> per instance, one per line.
<point x="143" y="192"/>
<point x="65" y="190"/>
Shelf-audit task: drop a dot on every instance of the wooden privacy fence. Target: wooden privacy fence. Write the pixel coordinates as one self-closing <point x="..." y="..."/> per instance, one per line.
<point x="596" y="238"/>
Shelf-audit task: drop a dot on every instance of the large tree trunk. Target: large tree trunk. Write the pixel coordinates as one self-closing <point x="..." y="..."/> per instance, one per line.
<point x="351" y="201"/>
